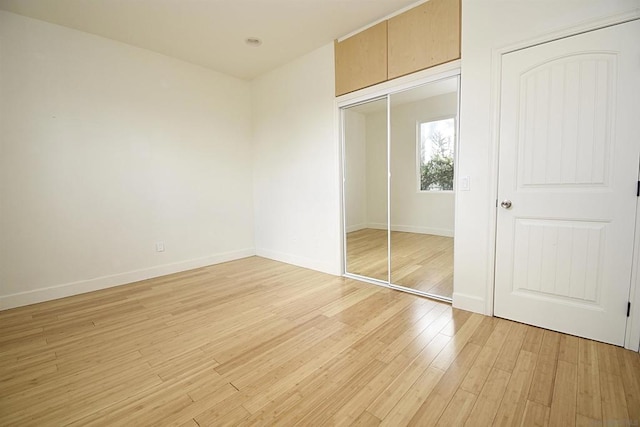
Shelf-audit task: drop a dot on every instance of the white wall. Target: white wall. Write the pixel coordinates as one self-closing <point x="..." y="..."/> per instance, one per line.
<point x="355" y="171"/>
<point x="489" y="25"/>
<point x="106" y="149"/>
<point x="296" y="181"/>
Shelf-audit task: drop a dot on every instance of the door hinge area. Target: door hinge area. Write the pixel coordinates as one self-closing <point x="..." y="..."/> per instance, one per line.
<point x="628" y="308"/>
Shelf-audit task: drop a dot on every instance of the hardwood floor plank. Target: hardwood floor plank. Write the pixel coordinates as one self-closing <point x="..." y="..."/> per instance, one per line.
<point x="342" y="304"/>
<point x="389" y="331"/>
<point x="278" y="383"/>
<point x="614" y="403"/>
<point x="488" y="402"/>
<point x="475" y="379"/>
<point x="439" y="398"/>
<point x="453" y="348"/>
<point x="533" y="340"/>
<point x="459" y="408"/>
<point x="366" y="420"/>
<point x="457" y="320"/>
<point x="221" y="406"/>
<point x="514" y="401"/>
<point x="544" y="376"/>
<point x="608" y="359"/>
<point x="589" y="402"/>
<point x="563" y="407"/>
<point x="582" y="421"/>
<point x="321" y="414"/>
<point x="568" y="350"/>
<point x="511" y="350"/>
<point x="413" y="399"/>
<point x="630" y="369"/>
<point x="385" y="401"/>
<point x="417" y="338"/>
<point x="285" y="343"/>
<point x="536" y="414"/>
<point x="319" y="387"/>
<point x="484" y="331"/>
<point x="354" y="408"/>
<point x="189" y="423"/>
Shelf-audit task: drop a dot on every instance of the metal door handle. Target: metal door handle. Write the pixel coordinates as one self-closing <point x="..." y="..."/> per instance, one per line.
<point x="506" y="204"/>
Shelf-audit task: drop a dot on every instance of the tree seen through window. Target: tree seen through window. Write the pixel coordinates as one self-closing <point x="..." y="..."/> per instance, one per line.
<point x="436" y="151"/>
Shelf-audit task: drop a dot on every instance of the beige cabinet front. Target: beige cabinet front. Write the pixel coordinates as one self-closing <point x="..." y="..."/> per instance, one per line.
<point x="361" y="60"/>
<point x="423" y="37"/>
<point x="420" y="38"/>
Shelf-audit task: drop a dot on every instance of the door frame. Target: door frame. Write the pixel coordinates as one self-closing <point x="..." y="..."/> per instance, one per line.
<point x="632" y="333"/>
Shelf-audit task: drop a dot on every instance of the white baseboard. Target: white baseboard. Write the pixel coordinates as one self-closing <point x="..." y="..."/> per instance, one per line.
<point x="469" y="303"/>
<point x="299" y="261"/>
<point x="356" y="227"/>
<point x="422" y="230"/>
<point x="377" y="226"/>
<point x="83" y="286"/>
<point x="412" y="229"/>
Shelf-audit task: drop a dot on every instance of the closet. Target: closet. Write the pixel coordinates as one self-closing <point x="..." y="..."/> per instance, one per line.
<point x="399" y="151"/>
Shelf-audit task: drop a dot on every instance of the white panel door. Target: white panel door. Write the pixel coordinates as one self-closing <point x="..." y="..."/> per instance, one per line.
<point x="569" y="153"/>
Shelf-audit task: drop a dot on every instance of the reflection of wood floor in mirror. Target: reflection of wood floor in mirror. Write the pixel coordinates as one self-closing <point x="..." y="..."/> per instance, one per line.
<point x="419" y="261"/>
<point x="367" y="253"/>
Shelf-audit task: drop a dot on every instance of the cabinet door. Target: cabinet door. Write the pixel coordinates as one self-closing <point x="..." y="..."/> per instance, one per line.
<point x="423" y="37"/>
<point x="361" y="60"/>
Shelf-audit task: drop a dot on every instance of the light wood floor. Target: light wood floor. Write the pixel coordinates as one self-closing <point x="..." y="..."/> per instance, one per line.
<point x="419" y="261"/>
<point x="260" y="342"/>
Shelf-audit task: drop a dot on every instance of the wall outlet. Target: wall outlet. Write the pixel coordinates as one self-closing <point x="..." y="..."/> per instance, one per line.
<point x="160" y="247"/>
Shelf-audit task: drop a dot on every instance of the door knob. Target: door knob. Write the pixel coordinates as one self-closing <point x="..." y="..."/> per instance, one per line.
<point x="506" y="204"/>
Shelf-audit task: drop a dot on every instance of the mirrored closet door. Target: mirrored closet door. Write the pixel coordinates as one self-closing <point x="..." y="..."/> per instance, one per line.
<point x="399" y="202"/>
<point x="364" y="128"/>
<point x="422" y="162"/>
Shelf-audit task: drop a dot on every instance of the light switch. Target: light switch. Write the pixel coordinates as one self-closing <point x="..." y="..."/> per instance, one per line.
<point x="465" y="183"/>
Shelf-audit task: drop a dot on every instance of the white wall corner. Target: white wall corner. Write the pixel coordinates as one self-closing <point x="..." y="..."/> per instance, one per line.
<point x="356" y="227"/>
<point x="300" y="261"/>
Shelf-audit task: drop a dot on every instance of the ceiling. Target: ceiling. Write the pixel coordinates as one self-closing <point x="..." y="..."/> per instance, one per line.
<point x="212" y="33"/>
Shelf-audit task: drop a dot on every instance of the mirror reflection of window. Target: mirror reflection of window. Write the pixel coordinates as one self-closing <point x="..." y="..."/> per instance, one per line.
<point x="436" y="144"/>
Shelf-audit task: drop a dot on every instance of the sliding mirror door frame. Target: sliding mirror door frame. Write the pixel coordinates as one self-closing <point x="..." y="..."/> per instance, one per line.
<point x="384" y="91"/>
<point x="369" y="110"/>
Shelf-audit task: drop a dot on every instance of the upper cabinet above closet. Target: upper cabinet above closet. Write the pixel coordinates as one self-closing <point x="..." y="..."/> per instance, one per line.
<point x="361" y="60"/>
<point x="423" y="37"/>
<point x="420" y="38"/>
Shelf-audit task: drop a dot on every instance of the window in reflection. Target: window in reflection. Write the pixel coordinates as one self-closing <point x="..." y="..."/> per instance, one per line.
<point x="436" y="144"/>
